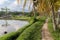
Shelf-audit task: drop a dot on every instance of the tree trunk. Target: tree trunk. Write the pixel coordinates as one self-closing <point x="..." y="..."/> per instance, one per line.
<point x="34" y="11"/>
<point x="53" y="18"/>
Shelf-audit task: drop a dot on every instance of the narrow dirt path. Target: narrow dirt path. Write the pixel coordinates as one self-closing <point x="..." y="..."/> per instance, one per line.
<point x="45" y="32"/>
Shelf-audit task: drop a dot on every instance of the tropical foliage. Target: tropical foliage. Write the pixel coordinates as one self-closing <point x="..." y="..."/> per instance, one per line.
<point x="45" y="9"/>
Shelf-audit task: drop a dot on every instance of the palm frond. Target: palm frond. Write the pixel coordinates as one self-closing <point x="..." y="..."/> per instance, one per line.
<point x="18" y="1"/>
<point x="30" y="4"/>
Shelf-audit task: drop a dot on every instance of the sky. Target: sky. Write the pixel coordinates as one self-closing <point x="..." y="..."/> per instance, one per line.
<point x="13" y="6"/>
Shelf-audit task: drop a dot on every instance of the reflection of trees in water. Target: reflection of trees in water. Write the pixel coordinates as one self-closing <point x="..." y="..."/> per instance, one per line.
<point x="6" y="16"/>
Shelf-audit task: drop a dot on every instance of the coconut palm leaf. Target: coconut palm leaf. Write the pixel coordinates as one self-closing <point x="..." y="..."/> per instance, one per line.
<point x="30" y="4"/>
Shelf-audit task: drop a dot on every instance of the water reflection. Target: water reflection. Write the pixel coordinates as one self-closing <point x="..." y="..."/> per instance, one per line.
<point x="14" y="25"/>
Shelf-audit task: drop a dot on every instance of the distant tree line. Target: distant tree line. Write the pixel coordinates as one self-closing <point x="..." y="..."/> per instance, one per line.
<point x="2" y="13"/>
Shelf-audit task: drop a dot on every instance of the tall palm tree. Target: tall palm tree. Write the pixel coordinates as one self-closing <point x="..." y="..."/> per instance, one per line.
<point x="46" y="6"/>
<point x="53" y="13"/>
<point x="43" y="6"/>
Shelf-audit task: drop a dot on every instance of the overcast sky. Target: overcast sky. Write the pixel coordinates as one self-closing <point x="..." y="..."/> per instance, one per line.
<point x="13" y="6"/>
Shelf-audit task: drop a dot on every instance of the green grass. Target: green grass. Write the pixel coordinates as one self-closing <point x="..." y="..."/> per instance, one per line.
<point x="14" y="35"/>
<point x="55" y="34"/>
<point x="29" y="32"/>
<point x="32" y="33"/>
<point x="20" y="18"/>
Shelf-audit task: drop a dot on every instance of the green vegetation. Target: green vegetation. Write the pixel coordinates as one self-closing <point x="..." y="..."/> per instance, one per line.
<point x="36" y="18"/>
<point x="13" y="35"/>
<point x="55" y="34"/>
<point x="20" y="17"/>
<point x="29" y="32"/>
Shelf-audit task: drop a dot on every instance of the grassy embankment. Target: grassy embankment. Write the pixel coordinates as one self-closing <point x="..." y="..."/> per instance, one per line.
<point x="20" y="17"/>
<point x="17" y="18"/>
<point x="14" y="35"/>
<point x="29" y="32"/>
<point x="33" y="32"/>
